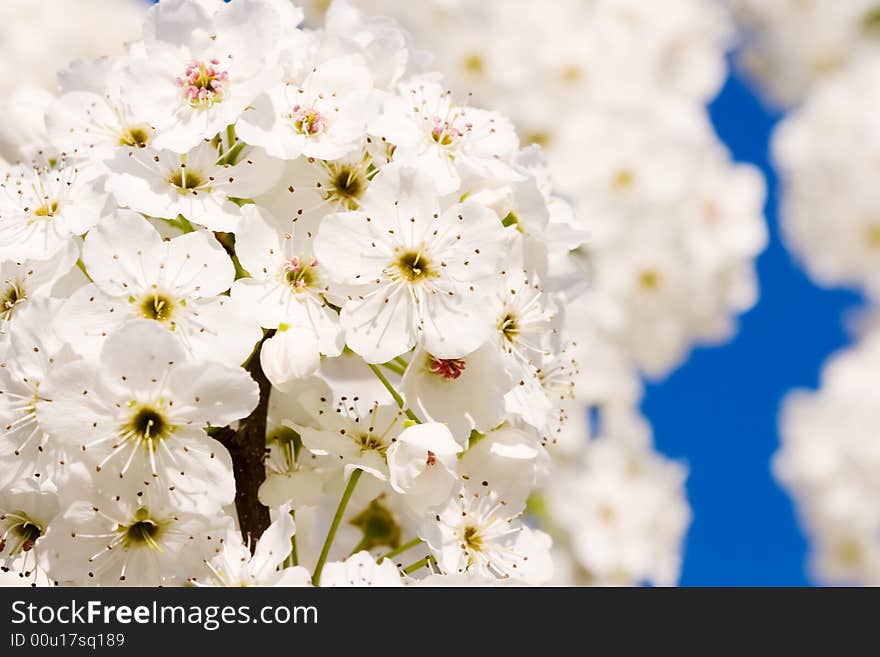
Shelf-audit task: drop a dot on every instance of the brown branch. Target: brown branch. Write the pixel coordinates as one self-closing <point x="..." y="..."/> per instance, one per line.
<point x="247" y="446"/>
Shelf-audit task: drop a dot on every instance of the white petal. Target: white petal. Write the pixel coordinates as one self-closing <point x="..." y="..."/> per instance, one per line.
<point x="273" y="546"/>
<point x="299" y="489"/>
<point x="254" y="173"/>
<point x="88" y="316"/>
<point x="221" y="331"/>
<point x="258" y="243"/>
<point x="197" y="265"/>
<point x="456" y="325"/>
<point x="352" y="248"/>
<point x="177" y="23"/>
<point x="381" y="326"/>
<point x="123" y="253"/>
<point x="212" y="393"/>
<point x="138" y="355"/>
<point x="67" y="412"/>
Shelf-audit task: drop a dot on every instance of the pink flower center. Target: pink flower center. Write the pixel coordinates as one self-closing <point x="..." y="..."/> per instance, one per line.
<point x="432" y="458"/>
<point x="448" y="368"/>
<point x="203" y="83"/>
<point x="300" y="273"/>
<point x="308" y="121"/>
<point x="444" y="133"/>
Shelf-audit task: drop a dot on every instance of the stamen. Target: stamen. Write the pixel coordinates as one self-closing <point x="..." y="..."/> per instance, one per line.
<point x="300" y="273"/>
<point x="11" y="297"/>
<point x="444" y="133"/>
<point x="203" y="84"/>
<point x="448" y="368"/>
<point x="307" y="121"/>
<point x="509" y="327"/>
<point x="413" y="266"/>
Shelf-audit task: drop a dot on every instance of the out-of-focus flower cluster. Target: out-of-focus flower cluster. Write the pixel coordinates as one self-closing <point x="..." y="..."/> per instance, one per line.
<point x="615" y="93"/>
<point x="41" y="37"/>
<point x="790" y="45"/>
<point x="827" y="152"/>
<point x="252" y="272"/>
<point x="822" y="58"/>
<point x="830" y="459"/>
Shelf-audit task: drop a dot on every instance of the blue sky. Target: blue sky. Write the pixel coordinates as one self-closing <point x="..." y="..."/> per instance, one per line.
<point x="718" y="412"/>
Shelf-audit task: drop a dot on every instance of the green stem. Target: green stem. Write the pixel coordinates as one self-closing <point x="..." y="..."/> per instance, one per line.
<point x="401" y="361"/>
<point x="340" y="511"/>
<point x="421" y="563"/>
<point x="401" y="549"/>
<point x="293" y="558"/>
<point x="82" y="268"/>
<point x="394" y="367"/>
<point x="394" y="394"/>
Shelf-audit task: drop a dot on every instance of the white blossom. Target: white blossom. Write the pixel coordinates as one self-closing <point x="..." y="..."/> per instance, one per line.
<point x="43" y="205"/>
<point x="235" y="566"/>
<point x="447" y="141"/>
<point x="423" y="464"/>
<point x="23" y="280"/>
<point x="478" y="531"/>
<point x="141" y="414"/>
<point x="199" y="185"/>
<point x="117" y="540"/>
<point x="324" y="115"/>
<point x="176" y="283"/>
<point x="25" y="514"/>
<point x="200" y="66"/>
<point x="465" y="393"/>
<point x="360" y="570"/>
<point x="28" y="452"/>
<point x="287" y="282"/>
<point x="357" y="434"/>
<point x="425" y="276"/>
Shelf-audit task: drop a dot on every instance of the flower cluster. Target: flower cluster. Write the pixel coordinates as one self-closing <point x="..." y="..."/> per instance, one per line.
<point x="616" y="98"/>
<point x="277" y="308"/>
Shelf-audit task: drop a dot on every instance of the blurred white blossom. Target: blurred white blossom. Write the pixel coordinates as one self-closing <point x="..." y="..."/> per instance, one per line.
<point x="829" y="461"/>
<point x="623" y="512"/>
<point x="49" y="34"/>
<point x="827" y="152"/>
<point x="792" y="45"/>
